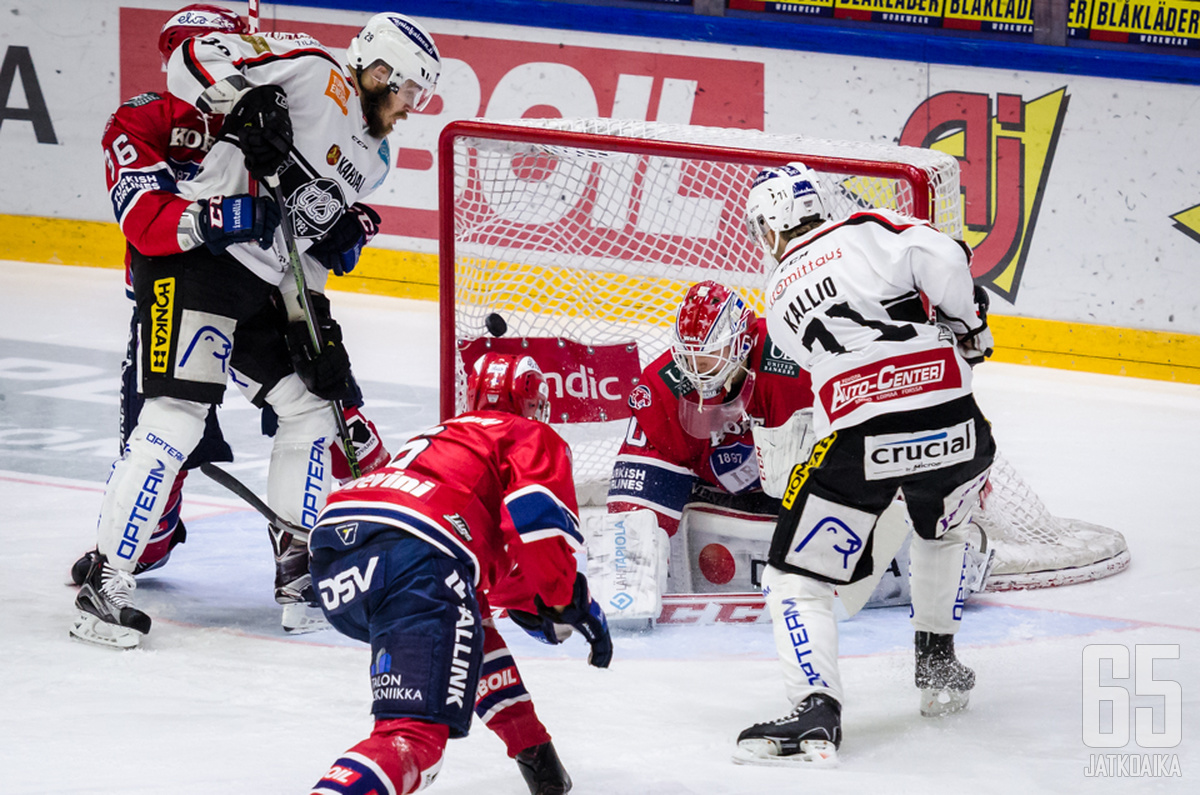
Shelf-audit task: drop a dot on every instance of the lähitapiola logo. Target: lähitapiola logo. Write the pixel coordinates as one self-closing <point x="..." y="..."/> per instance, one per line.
<point x="1127" y="697"/>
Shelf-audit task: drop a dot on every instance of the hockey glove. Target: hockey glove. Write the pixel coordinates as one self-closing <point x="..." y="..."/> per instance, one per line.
<point x="977" y="345"/>
<point x="585" y="616"/>
<point x="339" y="249"/>
<point x="225" y="220"/>
<point x="326" y="373"/>
<point x="262" y="126"/>
<point x="367" y="446"/>
<point x="974" y="345"/>
<point x="543" y="629"/>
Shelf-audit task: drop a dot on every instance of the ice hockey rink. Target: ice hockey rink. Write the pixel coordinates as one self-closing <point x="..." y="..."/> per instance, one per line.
<point x="218" y="699"/>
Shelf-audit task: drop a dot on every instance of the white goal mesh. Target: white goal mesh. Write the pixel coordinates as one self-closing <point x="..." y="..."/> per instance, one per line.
<point x="575" y="240"/>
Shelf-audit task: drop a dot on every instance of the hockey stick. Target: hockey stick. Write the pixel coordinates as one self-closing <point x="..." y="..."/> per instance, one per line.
<point x="252" y="16"/>
<point x="302" y="308"/>
<point x="242" y="490"/>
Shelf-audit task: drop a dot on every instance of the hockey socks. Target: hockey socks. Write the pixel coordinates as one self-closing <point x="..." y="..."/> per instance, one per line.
<point x="400" y="756"/>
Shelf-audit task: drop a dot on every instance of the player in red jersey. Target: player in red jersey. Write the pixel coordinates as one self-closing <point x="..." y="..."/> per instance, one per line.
<point x="409" y="557"/>
<point x="152" y="144"/>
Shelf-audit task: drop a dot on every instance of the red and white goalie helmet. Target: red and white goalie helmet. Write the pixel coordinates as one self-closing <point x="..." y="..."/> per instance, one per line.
<point x="782" y="198"/>
<point x="712" y="337"/>
<point x="511" y="383"/>
<point x="197" y="20"/>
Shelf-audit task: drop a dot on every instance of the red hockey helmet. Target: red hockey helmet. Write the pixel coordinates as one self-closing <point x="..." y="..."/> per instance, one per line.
<point x="509" y="382"/>
<point x="713" y="335"/>
<point x="196" y="20"/>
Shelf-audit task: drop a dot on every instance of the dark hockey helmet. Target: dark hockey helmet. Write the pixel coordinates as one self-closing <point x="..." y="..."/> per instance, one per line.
<point x="197" y="20"/>
<point x="511" y="383"/>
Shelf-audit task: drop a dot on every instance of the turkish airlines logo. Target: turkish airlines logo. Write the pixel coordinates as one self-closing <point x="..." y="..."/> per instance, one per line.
<point x="900" y="376"/>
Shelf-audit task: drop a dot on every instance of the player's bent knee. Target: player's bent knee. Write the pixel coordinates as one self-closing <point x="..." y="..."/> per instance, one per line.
<point x="401" y="756"/>
<point x="290" y="398"/>
<point x="171" y="426"/>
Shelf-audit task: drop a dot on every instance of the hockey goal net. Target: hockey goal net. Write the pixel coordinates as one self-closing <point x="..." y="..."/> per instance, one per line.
<point x="574" y="240"/>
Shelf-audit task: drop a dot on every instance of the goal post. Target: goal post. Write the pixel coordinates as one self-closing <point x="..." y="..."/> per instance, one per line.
<point x="574" y="240"/>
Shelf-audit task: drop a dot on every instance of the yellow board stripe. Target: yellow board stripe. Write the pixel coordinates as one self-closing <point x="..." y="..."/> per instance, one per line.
<point x="1165" y="356"/>
<point x="1161" y="355"/>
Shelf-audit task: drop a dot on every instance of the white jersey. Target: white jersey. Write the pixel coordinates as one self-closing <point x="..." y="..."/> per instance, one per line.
<point x="334" y="163"/>
<point x="844" y="303"/>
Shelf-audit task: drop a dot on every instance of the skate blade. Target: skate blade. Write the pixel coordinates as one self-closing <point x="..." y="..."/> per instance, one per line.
<point x="937" y="703"/>
<point x="813" y="753"/>
<point x="299" y="618"/>
<point x="91" y="629"/>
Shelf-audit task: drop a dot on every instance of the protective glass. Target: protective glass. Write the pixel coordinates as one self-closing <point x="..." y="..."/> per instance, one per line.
<point x="701" y="420"/>
<point x="414" y="95"/>
<point x="756" y="227"/>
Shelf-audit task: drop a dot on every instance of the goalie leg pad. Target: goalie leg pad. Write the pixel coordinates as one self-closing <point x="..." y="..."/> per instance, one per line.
<point x="627" y="564"/>
<point x="139" y="487"/>
<point x="806" y="635"/>
<point x="299" y="478"/>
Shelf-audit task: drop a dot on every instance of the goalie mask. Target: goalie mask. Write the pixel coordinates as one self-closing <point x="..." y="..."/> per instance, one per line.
<point x="197" y="20"/>
<point x="780" y="200"/>
<point x="712" y="336"/>
<point x="511" y="383"/>
<point x="406" y="48"/>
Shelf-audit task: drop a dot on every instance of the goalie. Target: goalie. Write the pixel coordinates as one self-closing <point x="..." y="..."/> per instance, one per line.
<point x="688" y="478"/>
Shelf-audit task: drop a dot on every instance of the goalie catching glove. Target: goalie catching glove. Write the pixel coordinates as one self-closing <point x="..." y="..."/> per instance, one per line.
<point x="780" y="449"/>
<point x="583" y="615"/>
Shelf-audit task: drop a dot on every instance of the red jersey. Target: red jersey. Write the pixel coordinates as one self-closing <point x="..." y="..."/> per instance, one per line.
<point x="152" y="143"/>
<point x="659" y="461"/>
<point x="492" y="489"/>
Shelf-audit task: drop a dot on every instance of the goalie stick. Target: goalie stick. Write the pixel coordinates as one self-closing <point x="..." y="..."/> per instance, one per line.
<point x="242" y="490"/>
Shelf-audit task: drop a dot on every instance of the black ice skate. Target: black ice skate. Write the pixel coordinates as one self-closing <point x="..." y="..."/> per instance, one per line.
<point x="107" y="616"/>
<point x="811" y="735"/>
<point x="80" y="568"/>
<point x="945" y="683"/>
<point x="542" y="771"/>
<point x="293" y="585"/>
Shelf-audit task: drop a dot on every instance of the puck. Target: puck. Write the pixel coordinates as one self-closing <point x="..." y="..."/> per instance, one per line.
<point x="495" y="325"/>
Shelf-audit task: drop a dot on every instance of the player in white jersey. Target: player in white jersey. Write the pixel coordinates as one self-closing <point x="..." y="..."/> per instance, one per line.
<point x="894" y="413"/>
<point x="295" y="113"/>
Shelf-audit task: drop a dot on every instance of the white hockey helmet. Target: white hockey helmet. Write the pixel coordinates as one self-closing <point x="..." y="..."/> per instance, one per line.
<point x="406" y="48"/>
<point x="781" y="198"/>
<point x="712" y="336"/>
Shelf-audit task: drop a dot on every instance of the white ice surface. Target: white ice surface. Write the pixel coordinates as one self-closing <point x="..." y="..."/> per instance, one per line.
<point x="218" y="700"/>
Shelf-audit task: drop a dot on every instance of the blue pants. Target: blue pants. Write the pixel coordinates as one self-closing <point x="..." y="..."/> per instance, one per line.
<point x="417" y="609"/>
